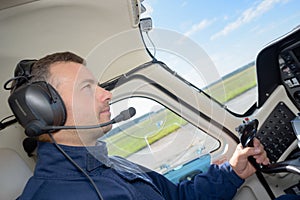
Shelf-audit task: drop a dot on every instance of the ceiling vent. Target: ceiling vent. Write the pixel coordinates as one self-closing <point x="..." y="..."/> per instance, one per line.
<point x="135" y="10"/>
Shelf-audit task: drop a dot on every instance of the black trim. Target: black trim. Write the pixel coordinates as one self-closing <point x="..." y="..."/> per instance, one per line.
<point x="123" y="79"/>
<point x="267" y="66"/>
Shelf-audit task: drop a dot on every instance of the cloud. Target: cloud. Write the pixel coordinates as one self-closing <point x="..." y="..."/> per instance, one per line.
<point x="247" y="16"/>
<point x="198" y="27"/>
<point x="184" y="3"/>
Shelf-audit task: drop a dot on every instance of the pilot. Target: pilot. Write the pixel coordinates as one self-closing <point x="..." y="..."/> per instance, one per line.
<point x="73" y="164"/>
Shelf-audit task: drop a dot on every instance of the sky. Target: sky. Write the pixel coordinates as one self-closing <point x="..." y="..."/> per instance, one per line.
<point x="230" y="32"/>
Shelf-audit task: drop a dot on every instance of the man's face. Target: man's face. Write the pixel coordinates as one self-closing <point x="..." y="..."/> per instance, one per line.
<point x="85" y="101"/>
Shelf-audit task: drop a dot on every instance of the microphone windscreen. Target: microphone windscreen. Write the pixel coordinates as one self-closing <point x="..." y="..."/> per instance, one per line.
<point x="131" y="112"/>
<point x="124" y="115"/>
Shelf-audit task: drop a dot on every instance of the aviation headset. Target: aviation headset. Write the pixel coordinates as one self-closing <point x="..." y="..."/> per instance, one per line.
<point x="37" y="105"/>
<point x="34" y="104"/>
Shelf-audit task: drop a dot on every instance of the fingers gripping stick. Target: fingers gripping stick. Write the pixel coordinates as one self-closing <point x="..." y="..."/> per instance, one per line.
<point x="247" y="132"/>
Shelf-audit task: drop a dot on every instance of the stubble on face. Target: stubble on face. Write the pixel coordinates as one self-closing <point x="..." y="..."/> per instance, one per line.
<point x="72" y="81"/>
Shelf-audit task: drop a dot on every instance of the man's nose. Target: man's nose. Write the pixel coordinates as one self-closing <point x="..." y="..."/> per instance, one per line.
<point x="103" y="95"/>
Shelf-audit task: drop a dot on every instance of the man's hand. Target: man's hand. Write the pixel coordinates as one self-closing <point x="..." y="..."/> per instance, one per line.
<point x="239" y="161"/>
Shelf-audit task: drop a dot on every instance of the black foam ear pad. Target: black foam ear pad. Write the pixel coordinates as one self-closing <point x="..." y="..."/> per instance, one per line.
<point x="23" y="69"/>
<point x="37" y="105"/>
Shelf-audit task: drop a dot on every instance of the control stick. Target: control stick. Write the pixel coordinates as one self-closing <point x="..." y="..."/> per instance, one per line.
<point x="247" y="132"/>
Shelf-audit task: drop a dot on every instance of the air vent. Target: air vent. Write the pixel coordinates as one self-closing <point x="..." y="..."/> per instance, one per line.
<point x="135" y="10"/>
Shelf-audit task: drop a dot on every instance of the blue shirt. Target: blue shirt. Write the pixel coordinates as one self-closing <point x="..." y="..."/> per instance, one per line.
<point x="118" y="179"/>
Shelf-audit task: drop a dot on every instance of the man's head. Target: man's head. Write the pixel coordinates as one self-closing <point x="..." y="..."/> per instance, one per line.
<point x="86" y="103"/>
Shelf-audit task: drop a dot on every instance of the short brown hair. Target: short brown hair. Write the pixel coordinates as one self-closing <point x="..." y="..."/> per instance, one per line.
<point x="40" y="70"/>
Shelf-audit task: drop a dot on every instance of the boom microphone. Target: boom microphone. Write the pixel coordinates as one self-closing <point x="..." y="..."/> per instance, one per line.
<point x="124" y="115"/>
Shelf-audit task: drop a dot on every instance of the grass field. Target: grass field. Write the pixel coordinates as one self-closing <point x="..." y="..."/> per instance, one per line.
<point x="233" y="85"/>
<point x="165" y="122"/>
<point x="146" y="132"/>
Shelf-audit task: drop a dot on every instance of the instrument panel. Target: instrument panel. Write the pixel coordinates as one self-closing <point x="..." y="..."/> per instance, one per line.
<point x="289" y="64"/>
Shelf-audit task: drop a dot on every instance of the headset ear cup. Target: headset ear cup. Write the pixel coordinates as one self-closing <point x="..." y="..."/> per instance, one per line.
<point x="58" y="108"/>
<point x="36" y="106"/>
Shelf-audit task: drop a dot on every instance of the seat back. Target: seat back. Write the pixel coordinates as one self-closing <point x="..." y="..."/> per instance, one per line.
<point x="14" y="173"/>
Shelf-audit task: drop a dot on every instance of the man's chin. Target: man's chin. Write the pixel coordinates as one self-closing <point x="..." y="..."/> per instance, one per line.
<point x="106" y="129"/>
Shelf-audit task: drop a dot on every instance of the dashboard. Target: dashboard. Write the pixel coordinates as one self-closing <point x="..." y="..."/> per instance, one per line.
<point x="289" y="64"/>
<point x="278" y="64"/>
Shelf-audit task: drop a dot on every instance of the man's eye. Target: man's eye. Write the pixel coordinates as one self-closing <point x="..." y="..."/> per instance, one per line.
<point x="88" y="86"/>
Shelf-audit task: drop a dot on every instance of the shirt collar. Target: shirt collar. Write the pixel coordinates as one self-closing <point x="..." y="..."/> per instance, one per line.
<point x="97" y="156"/>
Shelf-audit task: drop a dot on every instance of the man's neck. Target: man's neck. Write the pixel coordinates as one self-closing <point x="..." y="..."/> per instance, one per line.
<point x="72" y="138"/>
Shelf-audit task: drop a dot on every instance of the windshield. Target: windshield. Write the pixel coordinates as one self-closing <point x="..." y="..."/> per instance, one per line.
<point x="230" y="33"/>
